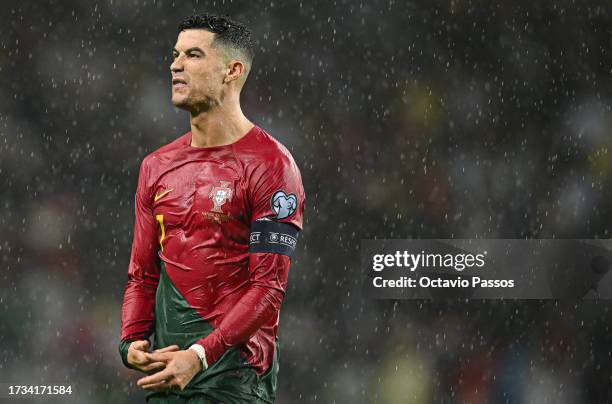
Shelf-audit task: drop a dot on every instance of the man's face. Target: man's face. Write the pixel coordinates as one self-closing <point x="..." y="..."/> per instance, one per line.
<point x="197" y="71"/>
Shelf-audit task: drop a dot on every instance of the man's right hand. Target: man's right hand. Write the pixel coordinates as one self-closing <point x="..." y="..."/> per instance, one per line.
<point x="138" y="359"/>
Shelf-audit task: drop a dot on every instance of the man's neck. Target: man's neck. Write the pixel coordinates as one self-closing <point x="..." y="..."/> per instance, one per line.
<point x="218" y="127"/>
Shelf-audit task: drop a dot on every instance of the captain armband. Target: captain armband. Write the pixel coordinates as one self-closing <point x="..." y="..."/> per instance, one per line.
<point x="268" y="236"/>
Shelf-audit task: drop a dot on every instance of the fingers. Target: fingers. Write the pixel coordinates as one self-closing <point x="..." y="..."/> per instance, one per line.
<point x="159" y="356"/>
<point x="177" y="370"/>
<point x="170" y="348"/>
<point x="161" y="386"/>
<point x="151" y="367"/>
<point x="141" y="345"/>
<point x="138" y="358"/>
<point x="154" y="380"/>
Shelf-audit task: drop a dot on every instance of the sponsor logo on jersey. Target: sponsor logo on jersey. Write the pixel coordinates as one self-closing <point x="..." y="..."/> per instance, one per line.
<point x="220" y="195"/>
<point x="283" y="205"/>
<point x="162" y="194"/>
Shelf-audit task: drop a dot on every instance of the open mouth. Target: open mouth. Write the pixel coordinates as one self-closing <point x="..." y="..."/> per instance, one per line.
<point x="179" y="83"/>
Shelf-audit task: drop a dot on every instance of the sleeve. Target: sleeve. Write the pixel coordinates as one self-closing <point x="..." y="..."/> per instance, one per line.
<point x="138" y="311"/>
<point x="277" y="192"/>
<point x="278" y="200"/>
<point x="260" y="304"/>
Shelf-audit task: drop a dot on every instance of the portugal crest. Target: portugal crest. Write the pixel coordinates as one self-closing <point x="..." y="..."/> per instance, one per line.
<point x="220" y="195"/>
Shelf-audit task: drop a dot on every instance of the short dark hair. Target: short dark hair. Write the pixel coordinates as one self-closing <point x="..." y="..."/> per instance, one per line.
<point x="227" y="32"/>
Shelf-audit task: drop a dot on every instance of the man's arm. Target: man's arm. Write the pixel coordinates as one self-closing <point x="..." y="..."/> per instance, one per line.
<point x="260" y="304"/>
<point x="138" y="311"/>
<point x="257" y="306"/>
<point x="277" y="196"/>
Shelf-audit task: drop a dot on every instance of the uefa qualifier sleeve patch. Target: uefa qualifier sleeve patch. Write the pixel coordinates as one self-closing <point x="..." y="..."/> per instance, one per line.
<point x="283" y="205"/>
<point x="268" y="236"/>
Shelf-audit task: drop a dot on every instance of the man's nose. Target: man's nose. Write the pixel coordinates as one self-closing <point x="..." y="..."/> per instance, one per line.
<point x="177" y="65"/>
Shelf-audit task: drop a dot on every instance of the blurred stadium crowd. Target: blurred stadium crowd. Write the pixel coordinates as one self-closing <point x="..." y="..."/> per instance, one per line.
<point x="446" y="119"/>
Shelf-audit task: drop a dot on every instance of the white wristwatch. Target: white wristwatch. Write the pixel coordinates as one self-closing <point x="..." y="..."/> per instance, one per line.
<point x="199" y="350"/>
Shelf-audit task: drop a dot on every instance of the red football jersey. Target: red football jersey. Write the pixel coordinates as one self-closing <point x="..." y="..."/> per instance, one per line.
<point x="194" y="211"/>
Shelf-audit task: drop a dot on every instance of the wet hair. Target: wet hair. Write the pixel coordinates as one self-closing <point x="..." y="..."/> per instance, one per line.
<point x="228" y="33"/>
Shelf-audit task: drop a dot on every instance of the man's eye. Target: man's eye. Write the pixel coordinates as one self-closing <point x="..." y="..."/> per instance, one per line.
<point x="193" y="55"/>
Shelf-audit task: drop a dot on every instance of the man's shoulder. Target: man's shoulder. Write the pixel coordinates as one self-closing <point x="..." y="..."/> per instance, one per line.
<point x="263" y="148"/>
<point x="171" y="147"/>
<point x="167" y="150"/>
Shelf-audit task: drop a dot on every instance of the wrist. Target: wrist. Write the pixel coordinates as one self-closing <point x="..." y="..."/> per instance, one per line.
<point x="124" y="349"/>
<point x="200" y="354"/>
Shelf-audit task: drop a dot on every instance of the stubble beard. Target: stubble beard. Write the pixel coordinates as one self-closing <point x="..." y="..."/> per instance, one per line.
<point x="194" y="107"/>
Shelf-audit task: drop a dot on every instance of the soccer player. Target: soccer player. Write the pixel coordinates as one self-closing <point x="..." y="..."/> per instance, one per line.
<point x="218" y="212"/>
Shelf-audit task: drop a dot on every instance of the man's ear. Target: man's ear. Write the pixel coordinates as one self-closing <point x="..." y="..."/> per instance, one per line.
<point x="235" y="70"/>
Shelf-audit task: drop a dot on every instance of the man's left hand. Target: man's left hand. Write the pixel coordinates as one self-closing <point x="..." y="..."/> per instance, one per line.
<point x="181" y="367"/>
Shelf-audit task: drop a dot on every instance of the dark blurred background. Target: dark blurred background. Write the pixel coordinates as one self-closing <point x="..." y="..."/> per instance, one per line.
<point x="443" y="119"/>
